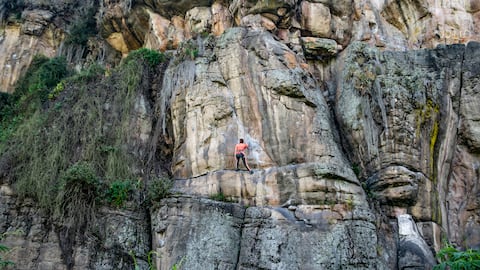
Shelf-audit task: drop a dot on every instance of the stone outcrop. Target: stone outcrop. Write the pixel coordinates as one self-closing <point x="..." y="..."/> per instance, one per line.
<point x="120" y="237"/>
<point x="128" y="25"/>
<point x="224" y="236"/>
<point x="404" y="128"/>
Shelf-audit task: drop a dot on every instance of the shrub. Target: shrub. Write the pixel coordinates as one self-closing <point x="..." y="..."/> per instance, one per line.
<point x="6" y="102"/>
<point x="77" y="193"/>
<point x="219" y="197"/>
<point x="42" y="76"/>
<point x="3" y="262"/>
<point x="89" y="74"/>
<point x="119" y="191"/>
<point x="151" y="57"/>
<point x="57" y="90"/>
<point x="159" y="188"/>
<point x="453" y="259"/>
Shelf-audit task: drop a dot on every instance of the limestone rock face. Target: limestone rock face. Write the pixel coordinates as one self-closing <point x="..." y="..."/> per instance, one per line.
<point x="225" y="236"/>
<point x="128" y="25"/>
<point x="31" y="236"/>
<point x="18" y="51"/>
<point x="405" y="140"/>
<point x="365" y="152"/>
<point x="252" y="89"/>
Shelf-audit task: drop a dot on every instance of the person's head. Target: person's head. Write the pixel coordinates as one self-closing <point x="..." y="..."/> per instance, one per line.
<point x="241" y="140"/>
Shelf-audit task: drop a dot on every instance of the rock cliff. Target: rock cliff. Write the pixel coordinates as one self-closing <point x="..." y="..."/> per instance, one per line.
<point x="360" y="117"/>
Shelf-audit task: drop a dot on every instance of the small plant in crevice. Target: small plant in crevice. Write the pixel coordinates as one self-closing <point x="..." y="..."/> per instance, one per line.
<point x="151" y="57"/>
<point x="4" y="249"/>
<point x="88" y="74"/>
<point x="356" y="170"/>
<point x="119" y="191"/>
<point x="188" y="50"/>
<point x="159" y="188"/>
<point x="220" y="197"/>
<point x="151" y="262"/>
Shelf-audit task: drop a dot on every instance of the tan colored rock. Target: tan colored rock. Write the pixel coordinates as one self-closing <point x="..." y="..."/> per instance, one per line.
<point x="117" y="41"/>
<point x="316" y="18"/>
<point x="258" y="22"/>
<point x="214" y="113"/>
<point x="472" y="6"/>
<point x="198" y="20"/>
<point x="169" y="9"/>
<point x="221" y="18"/>
<point x="18" y="51"/>
<point x="131" y="23"/>
<point x="319" y="48"/>
<point x="164" y="34"/>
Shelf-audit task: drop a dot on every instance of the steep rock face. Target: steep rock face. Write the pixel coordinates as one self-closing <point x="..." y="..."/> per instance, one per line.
<point x="217" y="235"/>
<point x="120" y="237"/>
<point x="374" y="186"/>
<point x="19" y="48"/>
<point x="256" y="86"/>
<point x="128" y="25"/>
<point x="403" y="126"/>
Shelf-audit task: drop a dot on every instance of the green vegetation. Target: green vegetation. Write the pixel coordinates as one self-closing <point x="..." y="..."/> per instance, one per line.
<point x="119" y="192"/>
<point x="356" y="170"/>
<point x="150" y="261"/>
<point x="188" y="51"/>
<point x="220" y="197"/>
<point x="70" y="140"/>
<point x="453" y="259"/>
<point x="3" y="262"/>
<point x="79" y="188"/>
<point x="151" y="57"/>
<point x="159" y="188"/>
<point x="82" y="29"/>
<point x="54" y="125"/>
<point x="41" y="77"/>
<point x="31" y="91"/>
<point x="4" y="249"/>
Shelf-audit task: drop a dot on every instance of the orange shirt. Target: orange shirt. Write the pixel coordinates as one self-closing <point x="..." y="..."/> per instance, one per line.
<point x="240" y="148"/>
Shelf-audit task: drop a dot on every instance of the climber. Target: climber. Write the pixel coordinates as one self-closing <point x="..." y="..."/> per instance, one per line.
<point x="240" y="154"/>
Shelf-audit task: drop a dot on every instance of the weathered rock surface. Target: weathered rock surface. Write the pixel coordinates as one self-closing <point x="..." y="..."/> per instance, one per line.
<point x="412" y="117"/>
<point x="128" y="25"/>
<point x="36" y="243"/>
<point x="204" y="234"/>
<point x="364" y="151"/>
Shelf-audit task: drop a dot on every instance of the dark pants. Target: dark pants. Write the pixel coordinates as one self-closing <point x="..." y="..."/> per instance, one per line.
<point x="241" y="156"/>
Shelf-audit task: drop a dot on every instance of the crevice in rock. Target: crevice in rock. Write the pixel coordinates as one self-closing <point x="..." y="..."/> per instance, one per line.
<point x="457" y="134"/>
<point x="242" y="227"/>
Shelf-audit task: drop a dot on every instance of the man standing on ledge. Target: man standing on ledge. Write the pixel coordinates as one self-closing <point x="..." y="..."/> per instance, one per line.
<point x="240" y="154"/>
